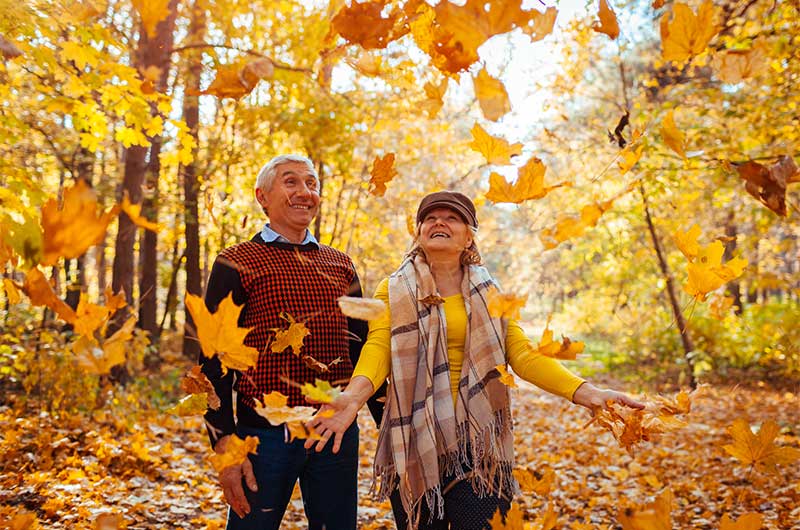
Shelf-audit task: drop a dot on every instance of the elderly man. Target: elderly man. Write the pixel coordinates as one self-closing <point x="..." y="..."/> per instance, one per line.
<point x="283" y="270"/>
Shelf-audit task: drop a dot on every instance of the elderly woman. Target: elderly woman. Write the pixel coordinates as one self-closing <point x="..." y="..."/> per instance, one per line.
<point x="445" y="448"/>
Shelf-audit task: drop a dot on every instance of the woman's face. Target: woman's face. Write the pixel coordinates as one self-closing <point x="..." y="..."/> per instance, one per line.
<point x="443" y="231"/>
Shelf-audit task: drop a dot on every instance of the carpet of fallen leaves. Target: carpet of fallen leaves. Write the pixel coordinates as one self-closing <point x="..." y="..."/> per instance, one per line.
<point x="146" y="469"/>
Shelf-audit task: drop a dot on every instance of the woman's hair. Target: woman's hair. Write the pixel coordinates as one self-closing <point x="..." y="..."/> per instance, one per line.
<point x="469" y="256"/>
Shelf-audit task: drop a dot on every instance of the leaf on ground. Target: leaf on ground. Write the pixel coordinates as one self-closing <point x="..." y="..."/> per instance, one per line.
<point x="535" y="481"/>
<point x="608" y="21"/>
<point x="292" y="337"/>
<point x="196" y="382"/>
<point x="505" y="377"/>
<point x="381" y="173"/>
<point x="528" y="185"/>
<point x="69" y="230"/>
<point x="362" y="308"/>
<point x="191" y="405"/>
<point x="492" y="96"/>
<point x="234" y="453"/>
<point x="505" y="305"/>
<point x="651" y="516"/>
<point x="320" y="392"/>
<point x="219" y="333"/>
<point x="759" y="449"/>
<point x="684" y="34"/>
<point x="496" y="150"/>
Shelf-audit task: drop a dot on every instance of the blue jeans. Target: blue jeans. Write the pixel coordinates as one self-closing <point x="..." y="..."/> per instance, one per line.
<point x="328" y="482"/>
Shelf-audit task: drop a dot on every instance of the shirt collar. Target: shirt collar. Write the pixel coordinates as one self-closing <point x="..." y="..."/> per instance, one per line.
<point x="270" y="236"/>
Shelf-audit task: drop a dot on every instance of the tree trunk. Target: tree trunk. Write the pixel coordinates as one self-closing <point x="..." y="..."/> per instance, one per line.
<point x="686" y="340"/>
<point x="191" y="115"/>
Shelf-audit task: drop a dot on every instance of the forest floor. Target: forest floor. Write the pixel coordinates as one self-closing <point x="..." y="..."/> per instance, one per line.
<point x="136" y="467"/>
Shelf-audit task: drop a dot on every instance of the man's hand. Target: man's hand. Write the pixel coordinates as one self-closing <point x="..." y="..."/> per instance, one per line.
<point x="231" y="480"/>
<point x="594" y="398"/>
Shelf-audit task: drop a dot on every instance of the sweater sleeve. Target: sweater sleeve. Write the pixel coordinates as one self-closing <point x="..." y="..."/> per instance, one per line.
<point x="222" y="281"/>
<point x="545" y="372"/>
<point x="375" y="362"/>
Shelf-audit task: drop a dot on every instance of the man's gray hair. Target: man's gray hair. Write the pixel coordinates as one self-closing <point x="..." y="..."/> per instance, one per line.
<point x="266" y="176"/>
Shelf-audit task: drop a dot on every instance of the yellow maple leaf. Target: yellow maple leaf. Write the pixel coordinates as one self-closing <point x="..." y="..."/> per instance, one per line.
<point x="320" y="392"/>
<point x="495" y="150"/>
<point x="74" y="227"/>
<point x="504" y="305"/>
<point x="687" y="34"/>
<point x="650" y="516"/>
<point x="687" y="241"/>
<point x="492" y="96"/>
<point x="529" y="184"/>
<point x="608" y="21"/>
<point x="734" y="66"/>
<point x="11" y="291"/>
<point x="191" y="405"/>
<point x="505" y="377"/>
<point x="382" y="172"/>
<point x="219" y="333"/>
<point x="672" y="136"/>
<point x="362" y="308"/>
<point x="759" y="450"/>
<point x="152" y="12"/>
<point x="134" y="212"/>
<point x="535" y="481"/>
<point x="292" y="337"/>
<point x="275" y="410"/>
<point x="748" y="521"/>
<point x="40" y="291"/>
<point x="234" y="453"/>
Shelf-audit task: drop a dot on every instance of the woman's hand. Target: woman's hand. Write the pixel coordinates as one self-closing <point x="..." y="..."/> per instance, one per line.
<point x="594" y="398"/>
<point x="334" y="418"/>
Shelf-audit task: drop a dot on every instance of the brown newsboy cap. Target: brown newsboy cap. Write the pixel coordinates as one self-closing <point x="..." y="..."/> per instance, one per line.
<point x="458" y="202"/>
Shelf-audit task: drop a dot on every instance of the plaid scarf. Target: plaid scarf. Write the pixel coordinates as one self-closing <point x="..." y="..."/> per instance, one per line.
<point x="423" y="437"/>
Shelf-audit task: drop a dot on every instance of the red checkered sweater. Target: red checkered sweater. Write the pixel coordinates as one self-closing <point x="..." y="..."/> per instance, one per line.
<point x="304" y="281"/>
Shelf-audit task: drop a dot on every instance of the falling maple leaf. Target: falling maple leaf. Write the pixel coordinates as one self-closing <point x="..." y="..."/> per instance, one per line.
<point x="495" y="150"/>
<point x="492" y="96"/>
<point x="40" y="291"/>
<point x="672" y="136"/>
<point x="320" y="392"/>
<point x="608" y="21"/>
<point x="363" y="23"/>
<point x="191" y="405"/>
<point x="71" y="229"/>
<point x="196" y="382"/>
<point x="504" y="305"/>
<point x="759" y="450"/>
<point x="292" y="337"/>
<point x="768" y="183"/>
<point x="734" y="66"/>
<point x="134" y="213"/>
<point x="529" y="184"/>
<point x="505" y="377"/>
<point x="748" y="521"/>
<point x="219" y="333"/>
<point x="650" y="516"/>
<point x="382" y="172"/>
<point x="535" y="481"/>
<point x="362" y="308"/>
<point x="687" y="34"/>
<point x="234" y="453"/>
<point x="152" y="12"/>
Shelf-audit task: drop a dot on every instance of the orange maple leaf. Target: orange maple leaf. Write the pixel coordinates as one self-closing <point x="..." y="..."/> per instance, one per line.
<point x="492" y="96"/>
<point x="495" y="150"/>
<point x="687" y="34"/>
<point x="219" y="333"/>
<point x="529" y="184"/>
<point x="382" y="172"/>
<point x="234" y="453"/>
<point x="292" y="337"/>
<point x="650" y="516"/>
<point x="505" y="377"/>
<point x="71" y="229"/>
<point x="759" y="450"/>
<point x="608" y="21"/>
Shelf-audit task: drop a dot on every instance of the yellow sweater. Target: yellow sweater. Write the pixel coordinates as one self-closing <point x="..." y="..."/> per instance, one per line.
<point x="545" y="372"/>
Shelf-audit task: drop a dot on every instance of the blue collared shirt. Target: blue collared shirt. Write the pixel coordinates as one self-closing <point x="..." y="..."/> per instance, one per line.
<point x="269" y="235"/>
